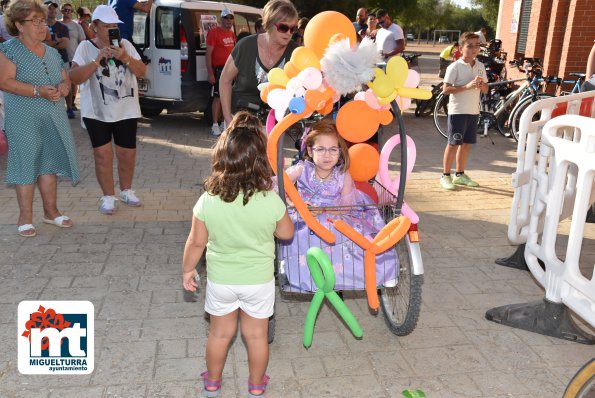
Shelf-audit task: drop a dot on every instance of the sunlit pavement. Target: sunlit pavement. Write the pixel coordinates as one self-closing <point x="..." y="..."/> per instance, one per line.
<point x="150" y="341"/>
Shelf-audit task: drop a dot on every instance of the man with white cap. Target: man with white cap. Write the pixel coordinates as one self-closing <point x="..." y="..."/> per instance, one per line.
<point x="110" y="109"/>
<point x="125" y="10"/>
<point x="220" y="42"/>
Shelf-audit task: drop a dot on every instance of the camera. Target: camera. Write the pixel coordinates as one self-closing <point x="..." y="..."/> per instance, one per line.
<point x="114" y="37"/>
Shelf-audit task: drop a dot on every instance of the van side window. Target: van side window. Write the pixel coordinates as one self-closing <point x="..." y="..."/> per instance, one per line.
<point x="241" y="24"/>
<point x="140" y="33"/>
<point x="204" y="20"/>
<point x="166" y="32"/>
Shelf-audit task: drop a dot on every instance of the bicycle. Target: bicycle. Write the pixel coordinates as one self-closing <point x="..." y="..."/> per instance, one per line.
<point x="425" y="107"/>
<point x="412" y="60"/>
<point x="577" y="84"/>
<point x="582" y="384"/>
<point x="535" y="94"/>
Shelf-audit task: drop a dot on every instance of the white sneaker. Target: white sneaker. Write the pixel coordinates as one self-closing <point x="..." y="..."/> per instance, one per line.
<point x="129" y="197"/>
<point x="107" y="204"/>
<point x="215" y="130"/>
<point x="222" y="126"/>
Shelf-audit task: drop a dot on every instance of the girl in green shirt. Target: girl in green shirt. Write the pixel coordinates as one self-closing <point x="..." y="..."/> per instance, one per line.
<point x="236" y="220"/>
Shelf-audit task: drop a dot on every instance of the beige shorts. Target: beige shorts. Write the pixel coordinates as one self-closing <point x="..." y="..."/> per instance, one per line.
<point x="257" y="301"/>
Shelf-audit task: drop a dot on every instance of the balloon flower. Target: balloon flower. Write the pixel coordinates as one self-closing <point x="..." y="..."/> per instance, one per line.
<point x="390" y="84"/>
<point x="323" y="276"/>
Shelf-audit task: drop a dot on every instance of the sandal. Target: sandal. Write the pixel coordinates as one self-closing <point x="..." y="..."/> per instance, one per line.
<point x="258" y="387"/>
<point x="27" y="230"/>
<point x="210" y="384"/>
<point x="58" y="221"/>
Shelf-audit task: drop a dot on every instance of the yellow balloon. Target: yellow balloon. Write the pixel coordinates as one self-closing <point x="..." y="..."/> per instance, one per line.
<point x="397" y="70"/>
<point x="303" y="57"/>
<point x="278" y="76"/>
<point x="382" y="86"/>
<point x="387" y="100"/>
<point x="417" y="93"/>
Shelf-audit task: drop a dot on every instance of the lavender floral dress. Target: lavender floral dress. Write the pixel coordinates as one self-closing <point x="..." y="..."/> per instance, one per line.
<point x="346" y="257"/>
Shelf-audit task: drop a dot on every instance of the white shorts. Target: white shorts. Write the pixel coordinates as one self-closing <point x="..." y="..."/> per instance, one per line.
<point x="257" y="301"/>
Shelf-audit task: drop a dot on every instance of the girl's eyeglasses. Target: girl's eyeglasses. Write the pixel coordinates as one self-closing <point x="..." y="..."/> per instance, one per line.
<point x="320" y="150"/>
<point x="284" y="28"/>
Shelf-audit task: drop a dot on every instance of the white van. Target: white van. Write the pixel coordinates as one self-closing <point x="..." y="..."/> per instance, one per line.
<point x="173" y="38"/>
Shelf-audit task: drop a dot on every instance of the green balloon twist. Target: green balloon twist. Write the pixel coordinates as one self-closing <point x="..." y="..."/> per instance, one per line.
<point x="323" y="275"/>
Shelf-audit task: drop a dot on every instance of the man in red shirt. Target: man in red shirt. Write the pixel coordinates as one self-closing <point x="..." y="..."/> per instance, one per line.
<point x="220" y="42"/>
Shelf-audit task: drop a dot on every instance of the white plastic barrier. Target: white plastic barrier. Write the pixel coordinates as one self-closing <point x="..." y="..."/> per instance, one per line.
<point x="527" y="162"/>
<point x="568" y="147"/>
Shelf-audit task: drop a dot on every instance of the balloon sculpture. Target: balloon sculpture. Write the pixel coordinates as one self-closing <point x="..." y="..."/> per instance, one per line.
<point x="323" y="276"/>
<point x="331" y="64"/>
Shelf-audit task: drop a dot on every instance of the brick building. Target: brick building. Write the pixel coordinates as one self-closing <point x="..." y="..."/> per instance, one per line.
<point x="559" y="32"/>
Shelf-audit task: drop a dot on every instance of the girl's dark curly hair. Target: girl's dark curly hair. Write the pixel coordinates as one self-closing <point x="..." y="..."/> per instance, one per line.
<point x="239" y="162"/>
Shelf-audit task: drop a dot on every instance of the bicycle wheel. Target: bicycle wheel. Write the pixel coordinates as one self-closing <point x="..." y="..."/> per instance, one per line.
<point x="401" y="304"/>
<point x="582" y="385"/>
<point x="502" y="119"/>
<point x="441" y="115"/>
<point x="517" y="112"/>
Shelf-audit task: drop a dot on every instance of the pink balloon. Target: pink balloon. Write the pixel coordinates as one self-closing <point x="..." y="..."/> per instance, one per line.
<point x="403" y="102"/>
<point x="393" y="185"/>
<point x="371" y="99"/>
<point x="270" y="121"/>
<point x="413" y="79"/>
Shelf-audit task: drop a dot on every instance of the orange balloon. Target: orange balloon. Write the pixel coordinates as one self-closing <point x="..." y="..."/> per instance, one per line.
<point x="390" y="234"/>
<point x="267" y="89"/>
<point x="370" y="279"/>
<point x="303" y="57"/>
<point x="291" y="70"/>
<point x="328" y="107"/>
<point x="356" y="121"/>
<point x="325" y="25"/>
<point x="352" y="234"/>
<point x="315" y="99"/>
<point x="336" y="38"/>
<point x="364" y="161"/>
<point x="386" y="117"/>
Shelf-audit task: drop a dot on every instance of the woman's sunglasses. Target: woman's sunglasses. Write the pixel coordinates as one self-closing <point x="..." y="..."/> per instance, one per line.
<point x="284" y="28"/>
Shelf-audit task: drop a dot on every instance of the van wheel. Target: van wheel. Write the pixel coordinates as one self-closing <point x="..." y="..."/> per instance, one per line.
<point x="151" y="112"/>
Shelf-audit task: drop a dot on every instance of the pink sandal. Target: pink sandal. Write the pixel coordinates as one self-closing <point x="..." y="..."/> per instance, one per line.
<point x="258" y="387"/>
<point x="210" y="384"/>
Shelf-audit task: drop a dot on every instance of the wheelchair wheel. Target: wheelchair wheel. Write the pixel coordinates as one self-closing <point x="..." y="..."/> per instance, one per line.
<point x="582" y="384"/>
<point x="401" y="304"/>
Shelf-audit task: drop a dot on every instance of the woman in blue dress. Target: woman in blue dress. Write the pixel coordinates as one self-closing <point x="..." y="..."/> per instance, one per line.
<point x="40" y="143"/>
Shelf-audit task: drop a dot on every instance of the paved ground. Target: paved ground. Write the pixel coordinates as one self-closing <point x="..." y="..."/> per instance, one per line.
<point x="150" y="341"/>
